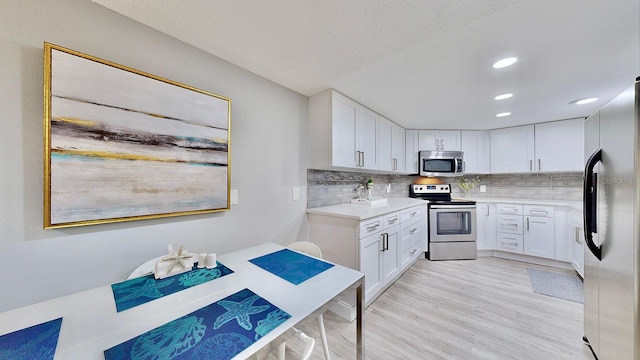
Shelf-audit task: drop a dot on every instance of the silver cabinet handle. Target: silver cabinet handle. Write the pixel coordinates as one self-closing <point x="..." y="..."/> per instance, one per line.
<point x="362" y="154"/>
<point x="539" y="165"/>
<point x="372" y="227"/>
<point x="515" y="226"/>
<point x="530" y="165"/>
<point x="487" y="210"/>
<point x="527" y="224"/>
<point x="412" y="231"/>
<point x="540" y="211"/>
<point x="413" y="252"/>
<point x="413" y="214"/>
<point x="385" y="241"/>
<point x="392" y="221"/>
<point x="357" y="158"/>
<point x="510" y="244"/>
<point x="510" y="209"/>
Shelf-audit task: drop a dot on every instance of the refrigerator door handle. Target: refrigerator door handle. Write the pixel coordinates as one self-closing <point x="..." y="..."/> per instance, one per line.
<point x="590" y="202"/>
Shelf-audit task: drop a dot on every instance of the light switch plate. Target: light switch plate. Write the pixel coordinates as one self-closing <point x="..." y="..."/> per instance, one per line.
<point x="296" y="193"/>
<point x="234" y="197"/>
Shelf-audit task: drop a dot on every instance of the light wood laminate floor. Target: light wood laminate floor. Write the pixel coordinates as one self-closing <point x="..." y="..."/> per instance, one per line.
<point x="468" y="309"/>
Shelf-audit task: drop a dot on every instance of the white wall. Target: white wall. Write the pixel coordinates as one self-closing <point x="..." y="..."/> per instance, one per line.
<point x="268" y="155"/>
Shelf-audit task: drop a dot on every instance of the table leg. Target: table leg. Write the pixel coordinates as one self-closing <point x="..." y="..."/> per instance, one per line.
<point x="360" y="321"/>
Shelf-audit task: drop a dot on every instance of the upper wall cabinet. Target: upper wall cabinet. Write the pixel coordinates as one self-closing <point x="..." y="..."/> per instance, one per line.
<point x="512" y="150"/>
<point x="343" y="134"/>
<point x="560" y="146"/>
<point x="477" y="151"/>
<point x="448" y="140"/>
<point x="411" y="151"/>
<point x="548" y="147"/>
<point x="390" y="146"/>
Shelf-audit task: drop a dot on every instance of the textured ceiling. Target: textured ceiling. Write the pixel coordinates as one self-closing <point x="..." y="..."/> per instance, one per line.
<point x="421" y="63"/>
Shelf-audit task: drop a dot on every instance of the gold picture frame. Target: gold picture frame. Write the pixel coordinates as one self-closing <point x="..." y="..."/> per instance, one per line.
<point x="121" y="144"/>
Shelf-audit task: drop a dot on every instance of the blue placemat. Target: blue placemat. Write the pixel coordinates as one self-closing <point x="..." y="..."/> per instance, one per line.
<point x="217" y="331"/>
<point x="37" y="342"/>
<point x="291" y="266"/>
<point x="143" y="289"/>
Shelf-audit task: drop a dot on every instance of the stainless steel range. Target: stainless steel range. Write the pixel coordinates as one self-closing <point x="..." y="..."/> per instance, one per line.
<point x="452" y="223"/>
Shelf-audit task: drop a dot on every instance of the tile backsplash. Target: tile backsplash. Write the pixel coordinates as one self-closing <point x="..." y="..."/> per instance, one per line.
<point x="339" y="187"/>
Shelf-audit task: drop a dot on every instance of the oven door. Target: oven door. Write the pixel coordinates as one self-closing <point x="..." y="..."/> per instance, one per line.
<point x="449" y="223"/>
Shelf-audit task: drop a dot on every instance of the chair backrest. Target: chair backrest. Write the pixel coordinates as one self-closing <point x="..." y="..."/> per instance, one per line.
<point x="306" y="247"/>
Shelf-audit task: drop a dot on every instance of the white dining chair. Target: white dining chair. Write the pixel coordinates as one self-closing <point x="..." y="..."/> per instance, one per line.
<point x="311" y="249"/>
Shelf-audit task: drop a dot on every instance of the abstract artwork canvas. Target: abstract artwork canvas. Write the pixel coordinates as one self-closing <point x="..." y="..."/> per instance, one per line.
<point x="218" y="331"/>
<point x="121" y="144"/>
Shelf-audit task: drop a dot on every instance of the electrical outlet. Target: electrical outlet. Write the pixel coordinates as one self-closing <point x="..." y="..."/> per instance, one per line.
<point x="234" y="197"/>
<point x="483" y="188"/>
<point x="296" y="193"/>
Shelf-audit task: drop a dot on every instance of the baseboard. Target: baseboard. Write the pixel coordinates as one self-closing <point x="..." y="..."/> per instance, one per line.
<point x="532" y="260"/>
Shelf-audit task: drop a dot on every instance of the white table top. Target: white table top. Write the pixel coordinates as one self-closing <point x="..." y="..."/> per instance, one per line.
<point x="91" y="324"/>
<point x="362" y="212"/>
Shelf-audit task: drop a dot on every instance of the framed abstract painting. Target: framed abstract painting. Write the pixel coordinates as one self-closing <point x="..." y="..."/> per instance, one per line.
<point x="121" y="144"/>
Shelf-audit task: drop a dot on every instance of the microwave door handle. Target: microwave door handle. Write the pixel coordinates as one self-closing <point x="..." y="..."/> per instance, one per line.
<point x="455" y="165"/>
<point x="590" y="203"/>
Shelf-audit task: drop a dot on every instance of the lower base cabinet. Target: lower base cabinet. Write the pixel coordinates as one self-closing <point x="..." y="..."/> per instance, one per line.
<point x="382" y="247"/>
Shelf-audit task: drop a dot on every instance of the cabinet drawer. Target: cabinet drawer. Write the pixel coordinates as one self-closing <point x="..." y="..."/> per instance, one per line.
<point x="411" y="233"/>
<point x="391" y="219"/>
<point x="411" y="252"/>
<point x="509" y="209"/>
<point x="510" y="242"/>
<point x="537" y="210"/>
<point x="371" y="226"/>
<point x="379" y="223"/>
<point x="509" y="224"/>
<point x="410" y="214"/>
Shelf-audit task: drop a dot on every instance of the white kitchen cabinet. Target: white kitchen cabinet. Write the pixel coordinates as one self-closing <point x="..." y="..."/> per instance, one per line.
<point x="448" y="140"/>
<point x="411" y="143"/>
<point x="509" y="233"/>
<point x="342" y="133"/>
<point x="476" y="146"/>
<point x="382" y="247"/>
<point x="512" y="150"/>
<point x="559" y="146"/>
<point x="390" y="146"/>
<point x="397" y="148"/>
<point x="577" y="230"/>
<point x="539" y="237"/>
<point x="486" y="225"/>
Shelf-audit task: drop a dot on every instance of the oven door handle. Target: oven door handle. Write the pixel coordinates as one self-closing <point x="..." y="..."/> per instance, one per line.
<point x="436" y="207"/>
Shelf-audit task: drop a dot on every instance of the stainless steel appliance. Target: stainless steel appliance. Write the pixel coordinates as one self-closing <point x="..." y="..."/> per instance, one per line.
<point x="612" y="228"/>
<point x="441" y="163"/>
<point x="452" y="225"/>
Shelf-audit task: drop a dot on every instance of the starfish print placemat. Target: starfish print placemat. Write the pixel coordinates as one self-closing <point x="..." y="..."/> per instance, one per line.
<point x="141" y="290"/>
<point x="217" y="331"/>
<point x="35" y="342"/>
<point x="291" y="266"/>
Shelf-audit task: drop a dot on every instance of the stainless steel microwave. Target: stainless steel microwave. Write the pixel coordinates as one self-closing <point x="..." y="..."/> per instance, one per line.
<point x="441" y="163"/>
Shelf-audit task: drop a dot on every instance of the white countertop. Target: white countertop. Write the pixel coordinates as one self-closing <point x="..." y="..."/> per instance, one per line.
<point x="362" y="212"/>
<point x="577" y="205"/>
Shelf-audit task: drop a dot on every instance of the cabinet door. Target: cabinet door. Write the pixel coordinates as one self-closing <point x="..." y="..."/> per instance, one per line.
<point x="367" y="135"/>
<point x="343" y="131"/>
<point x="477" y="152"/>
<point x="411" y="151"/>
<point x="449" y="140"/>
<point x="512" y="150"/>
<point x="371" y="265"/>
<point x="560" y="146"/>
<point x="539" y="237"/>
<point x="391" y="255"/>
<point x="427" y="140"/>
<point x="486" y="221"/>
<point x="397" y="147"/>
<point x="385" y="143"/>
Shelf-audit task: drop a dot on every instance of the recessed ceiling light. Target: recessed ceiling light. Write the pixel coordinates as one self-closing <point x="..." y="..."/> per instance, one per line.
<point x="503" y="96"/>
<point x="584" y="101"/>
<point x="503" y="114"/>
<point x="505" y="62"/>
